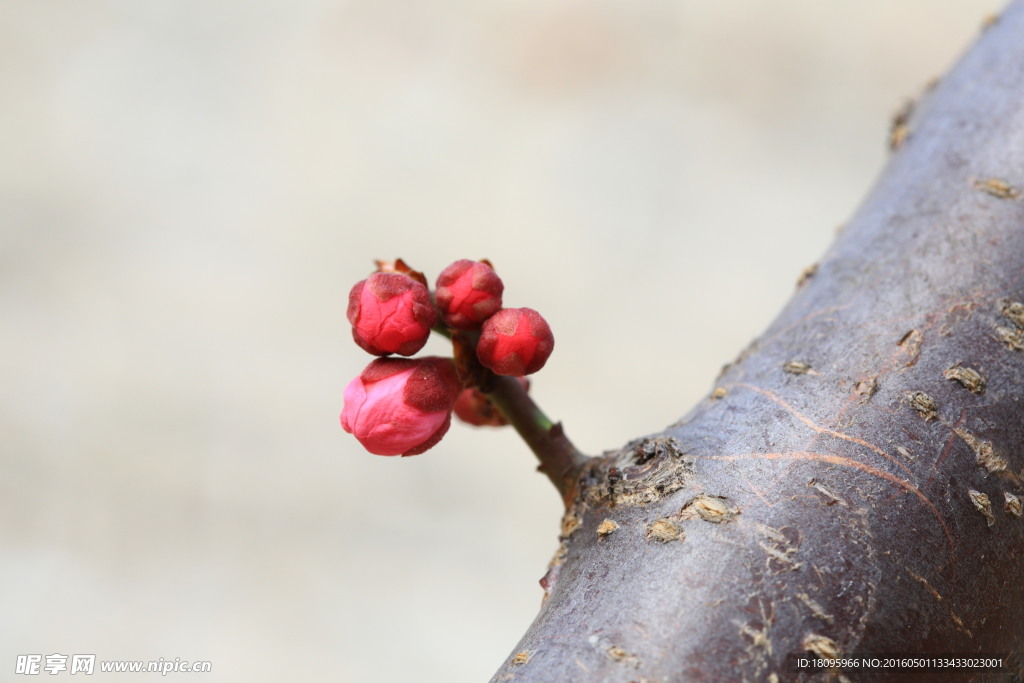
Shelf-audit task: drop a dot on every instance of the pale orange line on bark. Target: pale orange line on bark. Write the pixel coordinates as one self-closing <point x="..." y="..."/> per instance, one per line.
<point x="797" y="323"/>
<point x="757" y="491"/>
<point x="949" y="444"/>
<point x="847" y="462"/>
<point x="822" y="430"/>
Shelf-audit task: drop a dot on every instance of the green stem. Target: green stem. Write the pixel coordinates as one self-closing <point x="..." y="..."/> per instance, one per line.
<point x="559" y="459"/>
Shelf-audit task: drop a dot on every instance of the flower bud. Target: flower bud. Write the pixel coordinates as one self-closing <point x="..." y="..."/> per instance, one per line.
<point x="468" y="292"/>
<point x="390" y="313"/>
<point x="401" y="406"/>
<point x="515" y="341"/>
<point x="473" y="406"/>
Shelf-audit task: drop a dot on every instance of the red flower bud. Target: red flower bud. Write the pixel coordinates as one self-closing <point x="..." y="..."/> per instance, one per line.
<point x="401" y="406"/>
<point x="474" y="407"/>
<point x="390" y="313"/>
<point x="515" y="341"/>
<point x="468" y="292"/>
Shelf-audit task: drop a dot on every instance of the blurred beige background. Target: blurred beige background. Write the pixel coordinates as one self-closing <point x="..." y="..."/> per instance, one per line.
<point x="189" y="189"/>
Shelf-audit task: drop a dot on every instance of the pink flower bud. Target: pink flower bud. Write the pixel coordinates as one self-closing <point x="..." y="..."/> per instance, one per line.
<point x="401" y="406"/>
<point x="468" y="292"/>
<point x="515" y="341"/>
<point x="390" y="313"/>
<point x="473" y="406"/>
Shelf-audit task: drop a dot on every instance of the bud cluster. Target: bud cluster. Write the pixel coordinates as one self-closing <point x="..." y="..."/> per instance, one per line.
<point x="403" y="406"/>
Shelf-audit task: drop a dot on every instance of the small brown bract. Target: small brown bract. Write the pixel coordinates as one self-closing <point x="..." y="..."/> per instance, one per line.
<point x="1012" y="505"/>
<point x="816" y="609"/>
<point x="898" y="135"/>
<point x="719" y="393"/>
<point x="866" y="388"/>
<point x="807" y="274"/>
<point x="1012" y="337"/>
<point x="983" y="505"/>
<point x="970" y="378"/>
<point x="923" y="403"/>
<point x="823" y="646"/>
<point x="997" y="187"/>
<point x="830" y="497"/>
<point x="911" y="346"/>
<point x="621" y="656"/>
<point x="1014" y="310"/>
<point x="521" y="658"/>
<point x="608" y="526"/>
<point x="664" y="530"/>
<point x="781" y="552"/>
<point x="984" y="452"/>
<point x="797" y="367"/>
<point x="709" y="508"/>
<point x="989" y="459"/>
<point x="570" y="523"/>
<point x="899" y="129"/>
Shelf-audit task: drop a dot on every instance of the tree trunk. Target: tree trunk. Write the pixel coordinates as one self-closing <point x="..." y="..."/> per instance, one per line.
<point x="853" y="484"/>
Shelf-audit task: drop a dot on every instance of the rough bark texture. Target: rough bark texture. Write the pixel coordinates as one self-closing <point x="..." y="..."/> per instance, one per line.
<point x="854" y="481"/>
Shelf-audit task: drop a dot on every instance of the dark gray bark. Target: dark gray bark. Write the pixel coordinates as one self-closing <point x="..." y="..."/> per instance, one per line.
<point x="864" y="498"/>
